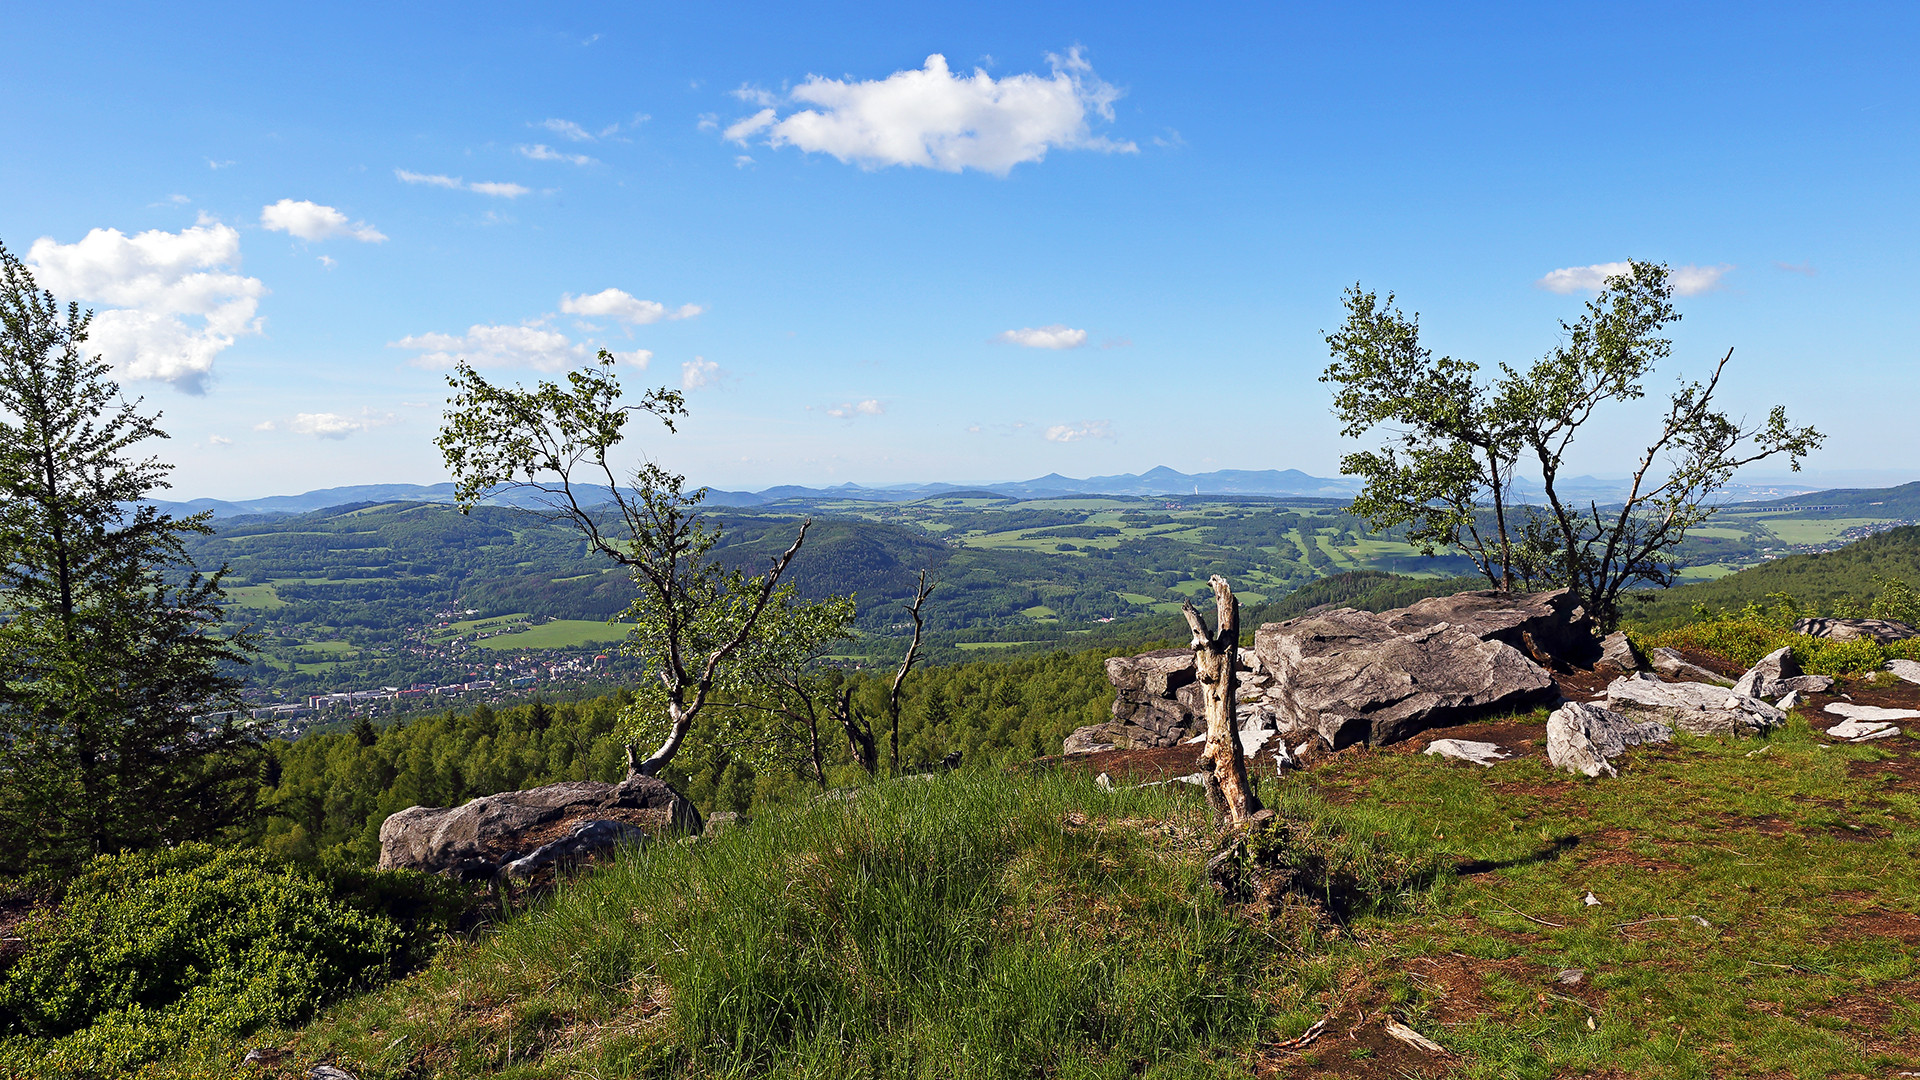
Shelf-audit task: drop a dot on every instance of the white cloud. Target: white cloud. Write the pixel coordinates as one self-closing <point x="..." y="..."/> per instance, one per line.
<point x="504" y="191"/>
<point x="543" y="152"/>
<point x="615" y="304"/>
<point x="1806" y="269"/>
<point x="1085" y="429"/>
<point x="174" y="300"/>
<point x="218" y="165"/>
<point x="178" y="200"/>
<point x="937" y="120"/>
<point x="483" y="187"/>
<point x="312" y="221"/>
<point x="698" y="372"/>
<point x="1686" y="280"/>
<point x="219" y="440"/>
<point x="328" y="425"/>
<point x="328" y="261"/>
<point x="265" y="425"/>
<point x="851" y="409"/>
<point x="567" y="129"/>
<point x="1045" y="337"/>
<point x="527" y="345"/>
<point x="753" y="95"/>
<point x="432" y="179"/>
<point x="1694" y="280"/>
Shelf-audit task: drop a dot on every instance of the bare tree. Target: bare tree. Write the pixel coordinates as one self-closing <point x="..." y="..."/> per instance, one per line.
<point x="1214" y="654"/>
<point x="862" y="740"/>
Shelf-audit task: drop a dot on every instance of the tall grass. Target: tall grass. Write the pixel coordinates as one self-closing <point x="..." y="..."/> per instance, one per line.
<point x="967" y="926"/>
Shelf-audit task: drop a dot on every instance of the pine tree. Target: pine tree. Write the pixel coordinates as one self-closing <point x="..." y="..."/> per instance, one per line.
<point x="110" y="640"/>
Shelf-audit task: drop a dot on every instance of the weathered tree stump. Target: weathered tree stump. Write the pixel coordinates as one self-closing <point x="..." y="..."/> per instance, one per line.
<point x="1214" y="653"/>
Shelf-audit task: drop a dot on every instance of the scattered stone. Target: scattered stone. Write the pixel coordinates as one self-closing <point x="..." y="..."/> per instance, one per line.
<point x="1699" y="922"/>
<point x="1864" y="723"/>
<point x="1354" y="677"/>
<point x="1808" y="684"/>
<point x="1908" y="670"/>
<point x="329" y="1072"/>
<point x="1413" y="1038"/>
<point x="1571" y="976"/>
<point x="1862" y="730"/>
<point x="1695" y="708"/>
<point x="1669" y="662"/>
<point x="1584" y="738"/>
<point x="1590" y="900"/>
<point x="722" y="820"/>
<point x="1882" y="631"/>
<point x="1618" y="654"/>
<point x="1480" y="753"/>
<point x="263" y="1055"/>
<point x="1790" y="702"/>
<point x="1768" y="677"/>
<point x="474" y="840"/>
<point x="1871" y="712"/>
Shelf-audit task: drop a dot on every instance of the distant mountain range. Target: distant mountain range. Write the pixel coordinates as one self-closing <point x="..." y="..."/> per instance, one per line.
<point x="1155" y="482"/>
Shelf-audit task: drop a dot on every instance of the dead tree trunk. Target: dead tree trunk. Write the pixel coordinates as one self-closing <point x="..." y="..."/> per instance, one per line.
<point x="859" y="733"/>
<point x="1214" y="655"/>
<point x="920" y="595"/>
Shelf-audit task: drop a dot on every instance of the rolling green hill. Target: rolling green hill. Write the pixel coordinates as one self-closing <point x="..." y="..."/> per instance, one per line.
<point x="1820" y="578"/>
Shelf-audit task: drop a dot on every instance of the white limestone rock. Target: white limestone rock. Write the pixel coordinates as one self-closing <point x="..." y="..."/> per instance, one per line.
<point x="1695" y="708"/>
<point x="1908" y="670"/>
<point x="1480" y="753"/>
<point x="1584" y="738"/>
<point x="1768" y="678"/>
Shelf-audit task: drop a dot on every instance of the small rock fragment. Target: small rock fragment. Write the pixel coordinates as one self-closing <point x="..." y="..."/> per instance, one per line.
<point x="1571" y="976"/>
<point x="1790" y="702"/>
<point x="1590" y="900"/>
<point x="1480" y="753"/>
<point x="1413" y="1038"/>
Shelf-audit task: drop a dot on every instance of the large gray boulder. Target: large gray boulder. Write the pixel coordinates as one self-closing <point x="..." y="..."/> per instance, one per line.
<point x="1585" y="738"/>
<point x="477" y="839"/>
<point x="1768" y="678"/>
<point x="1540" y="625"/>
<point x="1697" y="708"/>
<point x="1355" y="676"/>
<point x="1883" y="631"/>
<point x="1617" y="653"/>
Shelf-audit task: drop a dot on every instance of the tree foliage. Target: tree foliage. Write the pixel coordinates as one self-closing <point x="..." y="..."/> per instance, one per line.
<point x="1453" y="442"/>
<point x="110" y="637"/>
<point x="692" y="614"/>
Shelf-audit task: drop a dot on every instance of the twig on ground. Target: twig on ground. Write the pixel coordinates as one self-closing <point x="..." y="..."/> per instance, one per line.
<point x="1529" y="918"/>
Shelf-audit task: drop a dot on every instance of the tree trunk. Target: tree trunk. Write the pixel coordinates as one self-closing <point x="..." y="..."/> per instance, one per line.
<point x="859" y="735"/>
<point x="1214" y="654"/>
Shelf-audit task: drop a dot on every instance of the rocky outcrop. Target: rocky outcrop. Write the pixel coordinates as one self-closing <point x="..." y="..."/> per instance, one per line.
<point x="1883" y="631"/>
<point x="1906" y="670"/>
<point x="1155" y="703"/>
<point x="1585" y="738"/>
<point x="1697" y="708"/>
<point x="1768" y="677"/>
<point x="1354" y="676"/>
<point x="479" y="839"/>
<point x="1545" y="626"/>
<point x="1618" y="654"/>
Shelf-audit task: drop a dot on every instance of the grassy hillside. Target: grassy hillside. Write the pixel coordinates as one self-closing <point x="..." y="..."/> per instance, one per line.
<point x="1819" y="579"/>
<point x="989" y="925"/>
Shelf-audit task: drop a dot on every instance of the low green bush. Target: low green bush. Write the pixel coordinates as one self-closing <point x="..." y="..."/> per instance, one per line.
<point x="1744" y="637"/>
<point x="150" y="951"/>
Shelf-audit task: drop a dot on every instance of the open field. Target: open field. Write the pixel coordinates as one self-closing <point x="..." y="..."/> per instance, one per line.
<point x="559" y="634"/>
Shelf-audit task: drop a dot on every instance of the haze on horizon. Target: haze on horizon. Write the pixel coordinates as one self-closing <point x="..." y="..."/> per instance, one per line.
<point x="959" y="243"/>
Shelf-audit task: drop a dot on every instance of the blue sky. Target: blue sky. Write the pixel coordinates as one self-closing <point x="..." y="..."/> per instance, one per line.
<point x="855" y="257"/>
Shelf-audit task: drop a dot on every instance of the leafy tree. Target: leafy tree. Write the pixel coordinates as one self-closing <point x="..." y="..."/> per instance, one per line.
<point x="110" y="639"/>
<point x="1606" y="356"/>
<point x="693" y="614"/>
<point x="1456" y="441"/>
<point x="1453" y="444"/>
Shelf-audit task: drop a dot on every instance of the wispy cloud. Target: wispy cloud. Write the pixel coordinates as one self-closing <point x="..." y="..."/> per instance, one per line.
<point x="1805" y="269"/>
<point x="1689" y="280"/>
<point x="932" y="118"/>
<point x="326" y="425"/>
<point x="543" y="152"/>
<point x="482" y="187"/>
<point x="567" y="129"/>
<point x="851" y="409"/>
<point x="629" y="309"/>
<point x="1085" y="429"/>
<point x="312" y="221"/>
<point x="1044" y="337"/>
<point x="699" y="372"/>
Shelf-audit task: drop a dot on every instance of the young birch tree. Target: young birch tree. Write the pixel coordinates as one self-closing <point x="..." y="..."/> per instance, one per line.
<point x="692" y="615"/>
